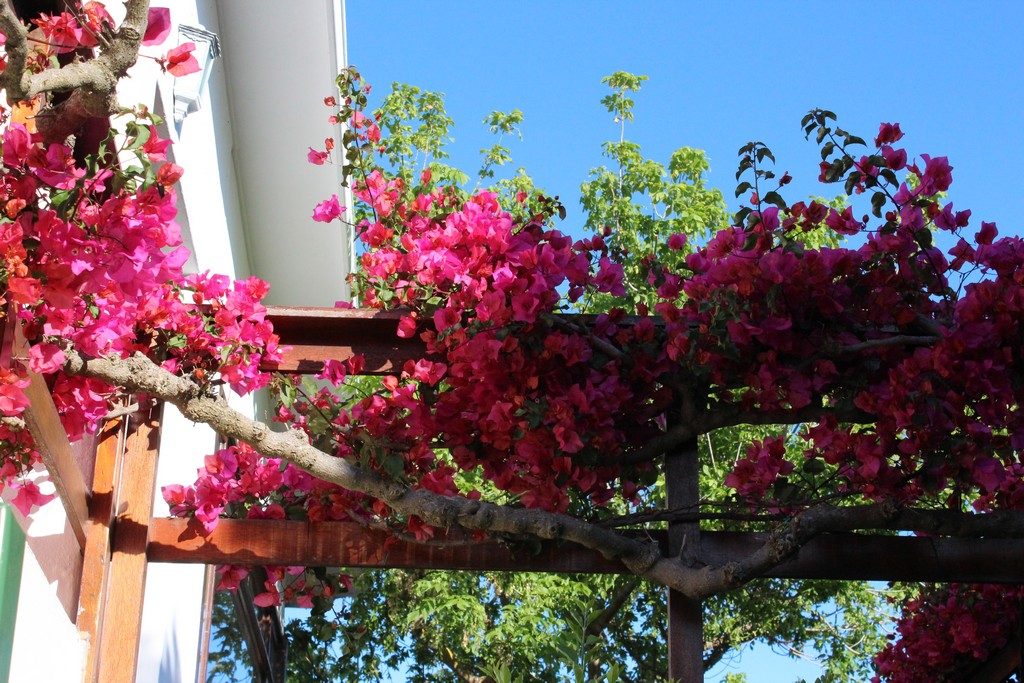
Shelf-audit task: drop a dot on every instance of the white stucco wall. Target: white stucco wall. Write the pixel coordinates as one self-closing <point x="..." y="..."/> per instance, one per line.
<point x="245" y="204"/>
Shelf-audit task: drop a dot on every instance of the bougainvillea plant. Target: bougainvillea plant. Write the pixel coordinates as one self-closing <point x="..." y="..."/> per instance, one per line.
<point x="899" y="362"/>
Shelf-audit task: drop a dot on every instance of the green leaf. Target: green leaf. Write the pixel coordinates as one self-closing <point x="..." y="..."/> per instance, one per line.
<point x="775" y="198"/>
<point x="142" y="135"/>
<point x="878" y="200"/>
<point x="924" y="237"/>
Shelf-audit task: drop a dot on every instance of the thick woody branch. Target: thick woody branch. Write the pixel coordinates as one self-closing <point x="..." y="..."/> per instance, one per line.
<point x="898" y="340"/>
<point x="731" y="416"/>
<point x="622" y="594"/>
<point x="139" y="374"/>
<point x="659" y="445"/>
<point x="14" y="76"/>
<point x="91" y="83"/>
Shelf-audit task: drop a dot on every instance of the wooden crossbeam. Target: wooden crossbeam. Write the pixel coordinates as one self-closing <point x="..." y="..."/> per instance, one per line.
<point x="314" y="335"/>
<point x="345" y="544"/>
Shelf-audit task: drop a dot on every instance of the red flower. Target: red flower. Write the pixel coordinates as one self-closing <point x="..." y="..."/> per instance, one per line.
<point x="180" y="61"/>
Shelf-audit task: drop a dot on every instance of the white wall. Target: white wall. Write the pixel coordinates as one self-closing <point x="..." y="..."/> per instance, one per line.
<point x="245" y="201"/>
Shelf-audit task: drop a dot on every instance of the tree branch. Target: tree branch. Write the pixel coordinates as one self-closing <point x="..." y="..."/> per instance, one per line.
<point x="715" y="655"/>
<point x="618" y="599"/>
<point x="13" y="79"/>
<point x="139" y="374"/>
<point x="644" y="558"/>
<point x="871" y="517"/>
<point x="91" y="83"/>
<point x="659" y="445"/>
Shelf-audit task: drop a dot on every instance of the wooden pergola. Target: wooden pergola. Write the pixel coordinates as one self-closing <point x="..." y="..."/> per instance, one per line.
<point x="112" y="519"/>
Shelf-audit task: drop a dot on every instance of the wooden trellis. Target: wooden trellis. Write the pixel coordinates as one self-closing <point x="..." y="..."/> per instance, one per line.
<point x="113" y="521"/>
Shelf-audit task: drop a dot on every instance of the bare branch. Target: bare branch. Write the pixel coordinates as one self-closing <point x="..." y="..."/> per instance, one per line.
<point x="872" y="517"/>
<point x="731" y="416"/>
<point x="619" y="598"/>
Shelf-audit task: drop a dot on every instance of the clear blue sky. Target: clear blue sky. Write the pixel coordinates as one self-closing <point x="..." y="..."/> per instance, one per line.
<point x="721" y="74"/>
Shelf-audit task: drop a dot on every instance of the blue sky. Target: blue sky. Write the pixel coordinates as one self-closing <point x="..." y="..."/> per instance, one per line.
<point x="721" y="74"/>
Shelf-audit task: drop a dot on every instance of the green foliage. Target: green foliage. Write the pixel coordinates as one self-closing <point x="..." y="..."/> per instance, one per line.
<point x="417" y="128"/>
<point x="619" y="102"/>
<point x="500" y="124"/>
<point x="639" y="202"/>
<point x="228" y="660"/>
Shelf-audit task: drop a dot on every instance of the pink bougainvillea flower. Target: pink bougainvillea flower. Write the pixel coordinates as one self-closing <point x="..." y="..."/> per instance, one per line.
<point x="158" y="25"/>
<point x="407" y="326"/>
<point x="156" y="147"/>
<point x="327" y="210"/>
<point x="180" y="61"/>
<point x="888" y="133"/>
<point x="334" y="372"/>
<point x="46" y="358"/>
<point x="62" y="31"/>
<point x="12" y="396"/>
<point x="169" y="174"/>
<point x="24" y="290"/>
<point x="96" y="19"/>
<point x="316" y="157"/>
<point x="29" y="497"/>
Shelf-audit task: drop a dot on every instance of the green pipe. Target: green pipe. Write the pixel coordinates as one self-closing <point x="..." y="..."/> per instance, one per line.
<point x="12" y="552"/>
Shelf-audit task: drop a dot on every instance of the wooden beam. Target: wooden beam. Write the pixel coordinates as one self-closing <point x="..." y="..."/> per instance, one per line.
<point x="318" y="334"/>
<point x="96" y="561"/>
<point x="314" y="335"/>
<point x="51" y="440"/>
<point x="206" y="625"/>
<point x="345" y="544"/>
<point x="121" y="624"/>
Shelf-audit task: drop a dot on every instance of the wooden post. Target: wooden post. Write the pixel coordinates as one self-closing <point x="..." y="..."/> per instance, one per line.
<point x="685" y="619"/>
<point x="96" y="560"/>
<point x="121" y="624"/>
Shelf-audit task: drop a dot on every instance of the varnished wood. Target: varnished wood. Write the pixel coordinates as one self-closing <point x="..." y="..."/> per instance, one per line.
<point x="345" y="544"/>
<point x="122" y="617"/>
<point x="51" y="441"/>
<point x="313" y="335"/>
<point x="96" y="560"/>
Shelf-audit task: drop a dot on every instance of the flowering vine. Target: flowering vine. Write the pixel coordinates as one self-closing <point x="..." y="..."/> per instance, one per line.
<point x="900" y="359"/>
